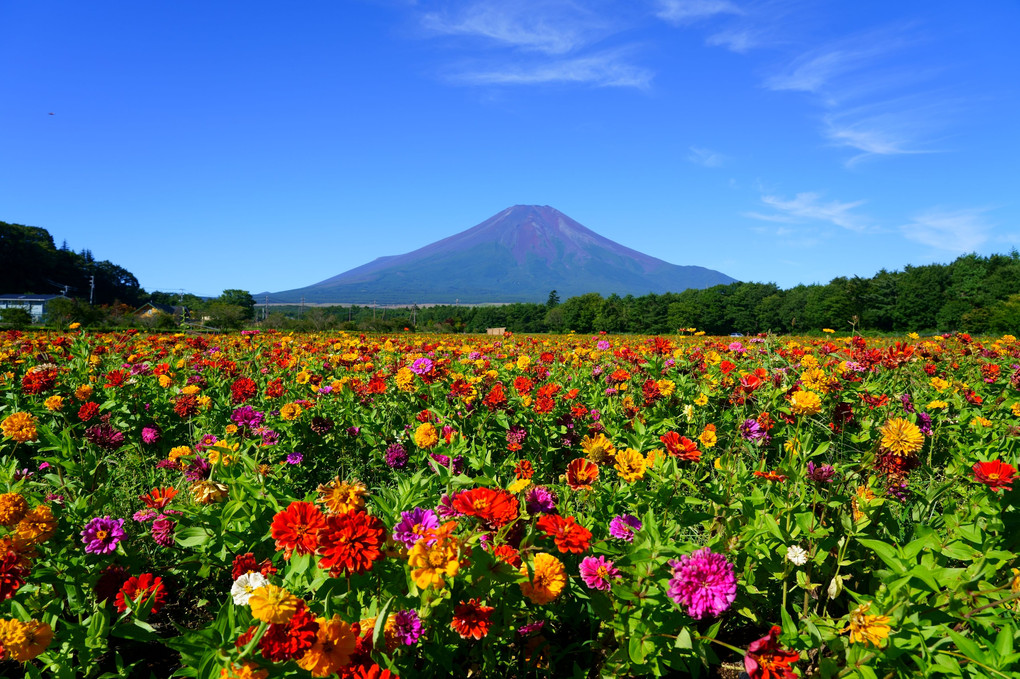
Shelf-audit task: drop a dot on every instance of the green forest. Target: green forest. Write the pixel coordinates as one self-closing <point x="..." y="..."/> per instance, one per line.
<point x="974" y="293"/>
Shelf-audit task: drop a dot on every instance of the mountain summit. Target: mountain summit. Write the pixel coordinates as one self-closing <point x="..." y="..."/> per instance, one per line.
<point x="518" y="255"/>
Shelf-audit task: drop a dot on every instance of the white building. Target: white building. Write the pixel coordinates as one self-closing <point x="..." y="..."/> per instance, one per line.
<point x="33" y="304"/>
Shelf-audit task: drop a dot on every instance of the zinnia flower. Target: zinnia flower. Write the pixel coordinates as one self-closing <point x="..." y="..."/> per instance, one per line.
<point x="163" y="530"/>
<point x="540" y="500"/>
<point x="297" y="528"/>
<point x="245" y="586"/>
<point x="680" y="446"/>
<point x="901" y="437"/>
<point x="413" y="526"/>
<point x="624" y="526"/>
<point x="598" y="448"/>
<point x="102" y="535"/>
<point x="703" y="582"/>
<point x="766" y="660"/>
<point x="340" y="497"/>
<point x="350" y="543"/>
<point x="23" y="641"/>
<point x="139" y="590"/>
<point x="871" y="629"/>
<point x="396" y="456"/>
<point x="158" y="498"/>
<point x="597" y="572"/>
<point x="290" y="640"/>
<point x="630" y="465"/>
<point x="471" y="620"/>
<point x="569" y="535"/>
<point x="805" y="403"/>
<point x="407" y="627"/>
<point x="995" y="474"/>
<point x="796" y="555"/>
<point x="433" y="557"/>
<point x="495" y="507"/>
<point x="20" y="427"/>
<point x="38" y="526"/>
<point x="273" y="604"/>
<point x="425" y="436"/>
<point x="581" y="474"/>
<point x="548" y="579"/>
<point x="332" y="649"/>
<point x="13" y="570"/>
<point x="13" y="508"/>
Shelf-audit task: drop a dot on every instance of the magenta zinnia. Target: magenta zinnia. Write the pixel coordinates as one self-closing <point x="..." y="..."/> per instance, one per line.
<point x="102" y="535"/>
<point x="598" y="572"/>
<point x="703" y="582"/>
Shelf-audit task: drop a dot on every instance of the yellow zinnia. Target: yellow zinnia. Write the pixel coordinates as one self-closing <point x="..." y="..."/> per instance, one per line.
<point x="20" y="427"/>
<point x="54" y="403"/>
<point x="548" y="579"/>
<point x="290" y="411"/>
<point x="273" y="604"/>
<point x="425" y="436"/>
<point x="805" y="403"/>
<point x="23" y="641"/>
<point x="334" y="644"/>
<point x="13" y="508"/>
<point x="901" y="437"/>
<point x="871" y="629"/>
<point x="37" y="527"/>
<point x="598" y="448"/>
<point x="630" y="465"/>
<point x="340" y="497"/>
<point x="430" y="563"/>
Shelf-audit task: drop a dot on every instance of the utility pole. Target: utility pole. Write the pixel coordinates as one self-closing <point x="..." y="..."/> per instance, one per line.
<point x="92" y="289"/>
<point x="302" y="305"/>
<point x="265" y="309"/>
<point x="373" y="309"/>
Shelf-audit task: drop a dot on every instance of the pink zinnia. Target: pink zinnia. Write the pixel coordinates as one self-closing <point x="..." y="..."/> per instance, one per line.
<point x="598" y="571"/>
<point x="703" y="582"/>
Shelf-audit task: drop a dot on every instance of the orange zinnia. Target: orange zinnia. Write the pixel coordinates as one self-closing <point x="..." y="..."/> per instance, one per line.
<point x="158" y="498"/>
<point x="680" y="446"/>
<point x="495" y="507"/>
<point x="581" y="474"/>
<point x="297" y="528"/>
<point x="471" y="620"/>
<point x="350" y="543"/>
<point x="570" y="536"/>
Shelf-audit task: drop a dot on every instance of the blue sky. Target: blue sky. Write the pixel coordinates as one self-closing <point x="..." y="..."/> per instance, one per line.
<point x="268" y="146"/>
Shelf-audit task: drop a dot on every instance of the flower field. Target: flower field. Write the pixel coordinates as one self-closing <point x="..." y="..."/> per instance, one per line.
<point x="292" y="505"/>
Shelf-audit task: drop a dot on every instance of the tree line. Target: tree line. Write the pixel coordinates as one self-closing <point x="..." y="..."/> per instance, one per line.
<point x="973" y="293"/>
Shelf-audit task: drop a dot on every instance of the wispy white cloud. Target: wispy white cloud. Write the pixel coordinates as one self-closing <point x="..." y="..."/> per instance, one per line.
<point x="549" y="27"/>
<point x="687" y="11"/>
<point x="782" y="219"/>
<point x="706" y="157"/>
<point x="957" y="231"/>
<point x="811" y="207"/>
<point x="607" y="69"/>
<point x="817" y="70"/>
<point x="735" y="40"/>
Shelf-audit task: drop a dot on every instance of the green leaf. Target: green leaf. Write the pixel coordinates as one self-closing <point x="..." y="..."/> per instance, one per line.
<point x="636" y="650"/>
<point x="380" y="622"/>
<point x="886" y="553"/>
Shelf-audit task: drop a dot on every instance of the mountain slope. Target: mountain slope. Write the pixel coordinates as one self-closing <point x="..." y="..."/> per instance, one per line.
<point x="518" y="255"/>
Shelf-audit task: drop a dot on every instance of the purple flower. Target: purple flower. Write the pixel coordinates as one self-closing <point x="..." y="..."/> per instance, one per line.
<point x="270" y="438"/>
<point x="407" y="627"/>
<point x="150" y="435"/>
<point x="456" y="466"/>
<point x="540" y="500"/>
<point x="205" y="442"/>
<point x="445" y="509"/>
<point x="144" y="515"/>
<point x="624" y="526"/>
<point x="751" y="430"/>
<point x="197" y="469"/>
<point x="102" y="535"/>
<point x="353" y="431"/>
<point x="531" y="627"/>
<point x="295" y="458"/>
<point x="246" y="416"/>
<point x="908" y="406"/>
<point x="396" y="456"/>
<point x="597" y="572"/>
<point x="602" y="345"/>
<point x="163" y="531"/>
<point x="413" y="524"/>
<point x="703" y="582"/>
<point x="516" y="434"/>
<point x="925" y="423"/>
<point x="168" y="464"/>
<point x="821" y="474"/>
<point x="105" y="436"/>
<point x="421" y="366"/>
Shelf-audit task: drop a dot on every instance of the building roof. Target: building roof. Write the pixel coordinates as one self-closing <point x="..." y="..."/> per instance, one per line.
<point x="31" y="298"/>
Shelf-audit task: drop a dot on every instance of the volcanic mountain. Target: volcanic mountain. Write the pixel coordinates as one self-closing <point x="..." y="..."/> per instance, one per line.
<point x="518" y="255"/>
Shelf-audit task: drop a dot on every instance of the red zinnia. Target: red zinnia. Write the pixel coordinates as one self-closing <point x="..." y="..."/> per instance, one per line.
<point x="581" y="474"/>
<point x="495" y="507"/>
<point x="524" y="469"/>
<point x="186" y="405"/>
<point x="297" y="528"/>
<point x="570" y="536"/>
<point x="680" y="446"/>
<point x="496" y="398"/>
<point x="115" y="378"/>
<point x="245" y="563"/>
<point x="88" y="411"/>
<point x="995" y="474"/>
<point x="243" y="389"/>
<point x="351" y="542"/>
<point x="12" y="574"/>
<point x="290" y="640"/>
<point x="372" y="672"/>
<point x="140" y="588"/>
<point x="471" y="619"/>
<point x="158" y="498"/>
<point x="507" y="554"/>
<point x="766" y="660"/>
<point x="274" y="389"/>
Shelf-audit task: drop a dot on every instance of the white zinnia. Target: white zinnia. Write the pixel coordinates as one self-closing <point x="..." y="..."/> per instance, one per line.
<point x="796" y="555"/>
<point x="245" y="585"/>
